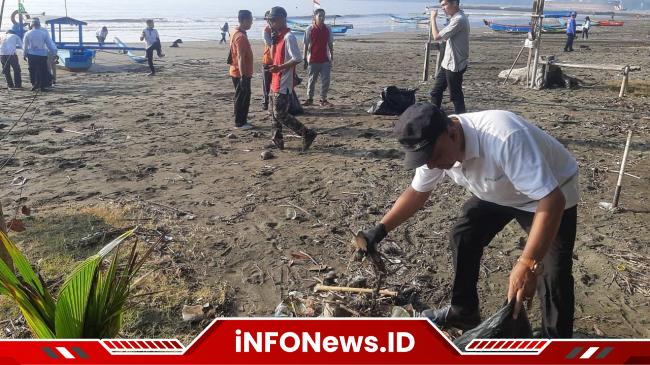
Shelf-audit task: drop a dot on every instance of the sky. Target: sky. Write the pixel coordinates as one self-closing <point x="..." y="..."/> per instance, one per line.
<point x="194" y="8"/>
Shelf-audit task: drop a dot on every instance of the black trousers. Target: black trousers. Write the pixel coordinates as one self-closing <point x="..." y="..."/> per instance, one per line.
<point x="569" y="42"/>
<point x="455" y="82"/>
<point x="39" y="75"/>
<point x="156" y="46"/>
<point x="10" y="62"/>
<point x="478" y="225"/>
<point x="266" y="86"/>
<point x="585" y="33"/>
<point x="242" y="99"/>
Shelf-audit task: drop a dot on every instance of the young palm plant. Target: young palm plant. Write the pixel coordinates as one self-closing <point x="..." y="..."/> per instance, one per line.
<point x="91" y="301"/>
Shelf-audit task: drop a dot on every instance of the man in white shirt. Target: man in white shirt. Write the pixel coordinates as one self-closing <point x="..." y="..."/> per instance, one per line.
<point x="152" y="41"/>
<point x="514" y="171"/>
<point x="8" y="45"/>
<point x="37" y="45"/>
<point x="455" y="60"/>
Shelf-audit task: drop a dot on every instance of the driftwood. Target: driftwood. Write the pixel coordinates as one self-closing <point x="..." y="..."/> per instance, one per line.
<point x="386" y="292"/>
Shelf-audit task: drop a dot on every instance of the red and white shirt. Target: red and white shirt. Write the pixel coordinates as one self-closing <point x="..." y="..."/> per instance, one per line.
<point x="285" y="50"/>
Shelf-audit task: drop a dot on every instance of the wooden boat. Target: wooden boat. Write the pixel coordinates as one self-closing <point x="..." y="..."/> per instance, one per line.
<point x="339" y="29"/>
<point x="609" y="23"/>
<point x="409" y="20"/>
<point x="509" y="28"/>
<point x="80" y="55"/>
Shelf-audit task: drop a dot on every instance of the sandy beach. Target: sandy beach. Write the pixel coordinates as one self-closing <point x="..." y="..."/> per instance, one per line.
<point x="114" y="148"/>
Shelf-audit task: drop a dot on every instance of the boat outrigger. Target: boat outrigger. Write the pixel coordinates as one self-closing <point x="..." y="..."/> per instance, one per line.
<point x="80" y="55"/>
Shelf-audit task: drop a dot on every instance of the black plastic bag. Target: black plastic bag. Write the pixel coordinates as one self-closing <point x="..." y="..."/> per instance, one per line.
<point x="394" y="101"/>
<point x="500" y="325"/>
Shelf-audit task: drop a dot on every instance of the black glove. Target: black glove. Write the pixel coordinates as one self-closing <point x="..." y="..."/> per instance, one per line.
<point x="373" y="236"/>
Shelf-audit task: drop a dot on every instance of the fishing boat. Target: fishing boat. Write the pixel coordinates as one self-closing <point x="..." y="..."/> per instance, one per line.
<point x="508" y="28"/>
<point x="297" y="27"/>
<point x="79" y="55"/>
<point x="609" y="23"/>
<point x="525" y="28"/>
<point x="409" y="20"/>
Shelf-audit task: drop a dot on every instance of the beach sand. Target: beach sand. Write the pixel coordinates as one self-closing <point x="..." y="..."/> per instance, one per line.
<point x="165" y="145"/>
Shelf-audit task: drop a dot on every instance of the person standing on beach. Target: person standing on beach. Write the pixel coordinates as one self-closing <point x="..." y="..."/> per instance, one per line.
<point x="101" y="35"/>
<point x="585" y="28"/>
<point x="8" y="45"/>
<point x="37" y="46"/>
<point x="224" y="32"/>
<point x="515" y="171"/>
<point x="286" y="55"/>
<point x="570" y="32"/>
<point x="455" y="61"/>
<point x="241" y="69"/>
<point x="152" y="41"/>
<point x="267" y="61"/>
<point x="318" y="57"/>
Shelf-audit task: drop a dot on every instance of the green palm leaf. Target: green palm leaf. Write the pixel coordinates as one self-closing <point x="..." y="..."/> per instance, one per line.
<point x="75" y="294"/>
<point x="28" y="292"/>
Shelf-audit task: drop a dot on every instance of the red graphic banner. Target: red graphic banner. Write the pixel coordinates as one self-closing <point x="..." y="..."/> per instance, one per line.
<point x="323" y="341"/>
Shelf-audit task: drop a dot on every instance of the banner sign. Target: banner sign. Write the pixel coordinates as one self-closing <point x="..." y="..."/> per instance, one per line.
<point x="323" y="341"/>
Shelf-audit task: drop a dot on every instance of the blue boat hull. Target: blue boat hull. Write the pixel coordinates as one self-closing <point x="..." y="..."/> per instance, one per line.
<point x="76" y="59"/>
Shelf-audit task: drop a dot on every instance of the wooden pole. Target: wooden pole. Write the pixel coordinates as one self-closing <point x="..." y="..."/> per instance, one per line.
<point x="2" y="11"/>
<point x="427" y="55"/>
<point x="617" y="192"/>
<point x="514" y="63"/>
<point x="320" y="287"/>
<point x="626" y="72"/>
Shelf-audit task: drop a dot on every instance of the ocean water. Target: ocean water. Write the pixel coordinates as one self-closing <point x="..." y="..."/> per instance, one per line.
<point x="200" y="20"/>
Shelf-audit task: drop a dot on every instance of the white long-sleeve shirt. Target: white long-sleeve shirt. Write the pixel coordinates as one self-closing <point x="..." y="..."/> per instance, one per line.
<point x="38" y="42"/>
<point x="9" y="43"/>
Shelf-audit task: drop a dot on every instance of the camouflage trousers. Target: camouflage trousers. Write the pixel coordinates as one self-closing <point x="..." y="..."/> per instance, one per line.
<point x="281" y="103"/>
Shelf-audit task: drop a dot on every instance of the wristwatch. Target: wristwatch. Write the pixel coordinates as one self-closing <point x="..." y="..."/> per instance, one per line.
<point x="535" y="267"/>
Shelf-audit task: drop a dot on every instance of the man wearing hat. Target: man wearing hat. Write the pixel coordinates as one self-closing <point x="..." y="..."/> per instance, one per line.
<point x="8" y="45"/>
<point x="38" y="45"/>
<point x="241" y="68"/>
<point x="570" y="32"/>
<point x="514" y="170"/>
<point x="286" y="55"/>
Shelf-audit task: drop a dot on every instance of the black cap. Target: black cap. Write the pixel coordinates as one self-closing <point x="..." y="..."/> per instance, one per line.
<point x="417" y="130"/>
<point x="277" y="11"/>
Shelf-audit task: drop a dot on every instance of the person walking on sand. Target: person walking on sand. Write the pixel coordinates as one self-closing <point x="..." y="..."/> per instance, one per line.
<point x="585" y="28"/>
<point x="152" y="41"/>
<point x="570" y="32"/>
<point x="8" y="45"/>
<point x="224" y="32"/>
<point x="318" y="57"/>
<point x="267" y="61"/>
<point x="286" y="55"/>
<point x="455" y="60"/>
<point x="241" y="69"/>
<point x="38" y="45"/>
<point x="515" y="171"/>
<point x="101" y="35"/>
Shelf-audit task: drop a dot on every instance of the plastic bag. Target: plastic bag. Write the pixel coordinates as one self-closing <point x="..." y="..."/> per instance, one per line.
<point x="500" y="325"/>
<point x="394" y="101"/>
